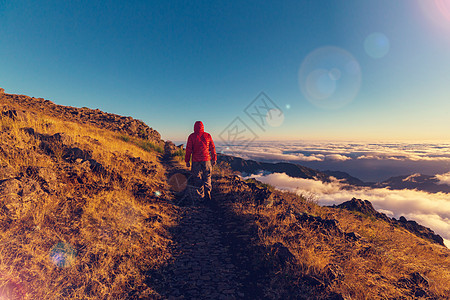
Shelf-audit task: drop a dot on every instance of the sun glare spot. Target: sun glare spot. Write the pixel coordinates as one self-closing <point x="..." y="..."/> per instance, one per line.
<point x="444" y="8"/>
<point x="376" y="45"/>
<point x="330" y="77"/>
<point x="438" y="11"/>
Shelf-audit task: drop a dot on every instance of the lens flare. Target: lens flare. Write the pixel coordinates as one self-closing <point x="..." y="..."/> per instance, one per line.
<point x="178" y="182"/>
<point x="330" y="77"/>
<point x="12" y="290"/>
<point x="376" y="45"/>
<point x="63" y="255"/>
<point x="275" y="117"/>
<point x="319" y="85"/>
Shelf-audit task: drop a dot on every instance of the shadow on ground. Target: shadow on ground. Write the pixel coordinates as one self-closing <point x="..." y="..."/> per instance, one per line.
<point x="217" y="253"/>
<point x="213" y="256"/>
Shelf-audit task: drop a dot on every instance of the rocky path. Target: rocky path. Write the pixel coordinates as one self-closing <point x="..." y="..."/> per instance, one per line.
<point x="202" y="266"/>
<point x="211" y="253"/>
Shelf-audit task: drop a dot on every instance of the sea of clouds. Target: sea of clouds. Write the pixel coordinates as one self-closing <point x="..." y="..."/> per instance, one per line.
<point x="369" y="162"/>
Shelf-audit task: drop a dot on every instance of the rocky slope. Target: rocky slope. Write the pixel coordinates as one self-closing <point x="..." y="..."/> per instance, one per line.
<point x="95" y="117"/>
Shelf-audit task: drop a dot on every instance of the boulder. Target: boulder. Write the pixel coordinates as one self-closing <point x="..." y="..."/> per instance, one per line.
<point x="319" y="223"/>
<point x="417" y="283"/>
<point x="170" y="148"/>
<point x="354" y="236"/>
<point x="282" y="254"/>
<point x="46" y="177"/>
<point x="73" y="154"/>
<point x="364" y="207"/>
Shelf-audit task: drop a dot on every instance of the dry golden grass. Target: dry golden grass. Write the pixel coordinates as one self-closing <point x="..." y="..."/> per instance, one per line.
<point x="90" y="235"/>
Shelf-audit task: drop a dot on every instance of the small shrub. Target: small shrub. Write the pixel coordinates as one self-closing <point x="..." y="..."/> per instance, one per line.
<point x="144" y="144"/>
<point x="180" y="152"/>
<point x="124" y="138"/>
<point x="179" y="155"/>
<point x="149" y="146"/>
<point x="309" y="197"/>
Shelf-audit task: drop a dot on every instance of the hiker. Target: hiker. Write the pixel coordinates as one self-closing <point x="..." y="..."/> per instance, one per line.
<point x="201" y="146"/>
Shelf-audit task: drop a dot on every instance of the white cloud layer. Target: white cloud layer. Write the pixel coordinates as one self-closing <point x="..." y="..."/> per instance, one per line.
<point x="430" y="210"/>
<point x="310" y="151"/>
<point x="443" y="178"/>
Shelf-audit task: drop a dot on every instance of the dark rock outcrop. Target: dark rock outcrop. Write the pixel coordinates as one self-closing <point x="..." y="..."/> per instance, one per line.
<point x="170" y="149"/>
<point x="13" y="114"/>
<point x="366" y="208"/>
<point x="320" y="224"/>
<point x="420" y="230"/>
<point x="61" y="144"/>
<point x="253" y="167"/>
<point x="417" y="283"/>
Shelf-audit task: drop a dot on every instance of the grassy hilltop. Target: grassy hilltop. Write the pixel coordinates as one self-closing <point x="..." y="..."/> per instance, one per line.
<point x="89" y="210"/>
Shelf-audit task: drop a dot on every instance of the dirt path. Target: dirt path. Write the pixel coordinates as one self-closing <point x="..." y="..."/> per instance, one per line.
<point x="213" y="254"/>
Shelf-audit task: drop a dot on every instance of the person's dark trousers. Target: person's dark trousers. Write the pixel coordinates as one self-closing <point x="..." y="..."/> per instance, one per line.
<point x="201" y="173"/>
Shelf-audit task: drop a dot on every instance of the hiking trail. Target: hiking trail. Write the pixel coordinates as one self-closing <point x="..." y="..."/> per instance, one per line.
<point x="212" y="254"/>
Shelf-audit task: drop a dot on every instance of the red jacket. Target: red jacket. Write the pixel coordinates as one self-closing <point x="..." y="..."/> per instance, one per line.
<point x="200" y="145"/>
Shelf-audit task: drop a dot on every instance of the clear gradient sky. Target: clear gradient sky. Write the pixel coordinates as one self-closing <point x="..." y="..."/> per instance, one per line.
<point x="171" y="63"/>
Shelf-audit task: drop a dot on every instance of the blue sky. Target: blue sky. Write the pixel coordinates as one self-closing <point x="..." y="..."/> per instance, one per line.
<point x="171" y="63"/>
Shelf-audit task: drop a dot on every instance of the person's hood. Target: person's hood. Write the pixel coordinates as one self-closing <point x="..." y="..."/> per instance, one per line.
<point x="198" y="127"/>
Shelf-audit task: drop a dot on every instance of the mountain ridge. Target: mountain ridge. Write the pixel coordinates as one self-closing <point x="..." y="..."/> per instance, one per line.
<point x="427" y="183"/>
<point x="96" y="117"/>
